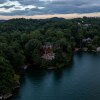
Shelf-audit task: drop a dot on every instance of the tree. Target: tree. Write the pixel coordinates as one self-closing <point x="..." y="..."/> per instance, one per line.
<point x="32" y="48"/>
<point x="7" y="78"/>
<point x="96" y="40"/>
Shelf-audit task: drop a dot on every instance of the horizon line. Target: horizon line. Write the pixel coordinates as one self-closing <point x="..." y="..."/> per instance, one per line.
<point x="66" y="16"/>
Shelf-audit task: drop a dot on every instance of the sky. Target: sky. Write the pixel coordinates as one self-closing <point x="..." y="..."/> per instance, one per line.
<point x="47" y="7"/>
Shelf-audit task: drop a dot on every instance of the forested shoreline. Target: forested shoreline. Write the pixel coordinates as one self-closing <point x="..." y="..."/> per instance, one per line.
<point x="44" y="43"/>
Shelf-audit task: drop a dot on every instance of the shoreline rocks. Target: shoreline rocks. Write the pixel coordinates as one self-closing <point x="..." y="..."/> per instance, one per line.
<point x="6" y="96"/>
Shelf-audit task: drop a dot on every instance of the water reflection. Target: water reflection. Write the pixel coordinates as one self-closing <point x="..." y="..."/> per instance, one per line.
<point x="80" y="80"/>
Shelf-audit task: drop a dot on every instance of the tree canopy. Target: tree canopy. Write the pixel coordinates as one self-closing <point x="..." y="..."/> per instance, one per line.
<point x="22" y="41"/>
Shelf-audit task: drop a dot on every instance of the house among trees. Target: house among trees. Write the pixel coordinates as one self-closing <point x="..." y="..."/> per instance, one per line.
<point x="87" y="40"/>
<point x="87" y="25"/>
<point x="48" y="53"/>
<point x="98" y="49"/>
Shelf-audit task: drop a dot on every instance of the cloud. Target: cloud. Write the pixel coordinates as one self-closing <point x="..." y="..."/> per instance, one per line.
<point x="46" y="0"/>
<point x="11" y="6"/>
<point x="35" y="7"/>
<point x="89" y="5"/>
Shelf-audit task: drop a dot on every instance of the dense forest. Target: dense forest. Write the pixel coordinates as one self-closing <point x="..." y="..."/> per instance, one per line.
<point x="43" y="43"/>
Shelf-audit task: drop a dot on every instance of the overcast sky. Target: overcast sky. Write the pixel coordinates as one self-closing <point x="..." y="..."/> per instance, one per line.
<point x="43" y="7"/>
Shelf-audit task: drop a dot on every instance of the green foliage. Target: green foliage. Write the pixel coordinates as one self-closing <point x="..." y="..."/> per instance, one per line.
<point x="22" y="40"/>
<point x="7" y="78"/>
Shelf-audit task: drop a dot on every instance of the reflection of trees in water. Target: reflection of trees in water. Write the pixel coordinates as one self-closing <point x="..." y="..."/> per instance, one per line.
<point x="36" y="75"/>
<point x="42" y="79"/>
<point x="79" y="54"/>
<point x="58" y="74"/>
<point x="40" y="74"/>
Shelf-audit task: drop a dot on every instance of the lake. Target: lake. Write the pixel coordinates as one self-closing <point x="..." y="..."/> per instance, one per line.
<point x="78" y="81"/>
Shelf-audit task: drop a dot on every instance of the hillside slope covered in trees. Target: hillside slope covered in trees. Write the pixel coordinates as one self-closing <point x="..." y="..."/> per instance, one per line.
<point x="42" y="43"/>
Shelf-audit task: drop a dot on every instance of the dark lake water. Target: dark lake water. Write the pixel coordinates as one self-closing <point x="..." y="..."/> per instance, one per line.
<point x="78" y="81"/>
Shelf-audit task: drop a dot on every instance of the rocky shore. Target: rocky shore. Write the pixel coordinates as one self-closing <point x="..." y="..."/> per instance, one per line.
<point x="3" y="97"/>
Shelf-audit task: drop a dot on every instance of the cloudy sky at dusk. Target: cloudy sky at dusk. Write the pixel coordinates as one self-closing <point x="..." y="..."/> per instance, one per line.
<point x="44" y="7"/>
<point x="38" y="7"/>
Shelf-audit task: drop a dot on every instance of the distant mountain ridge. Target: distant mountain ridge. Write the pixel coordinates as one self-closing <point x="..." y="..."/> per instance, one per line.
<point x="2" y="21"/>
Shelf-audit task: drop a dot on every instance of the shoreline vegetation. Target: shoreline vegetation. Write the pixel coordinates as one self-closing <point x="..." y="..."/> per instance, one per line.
<point x="47" y="43"/>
